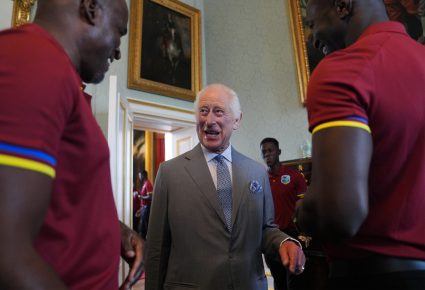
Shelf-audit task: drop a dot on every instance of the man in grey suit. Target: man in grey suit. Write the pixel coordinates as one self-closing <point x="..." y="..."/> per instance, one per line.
<point x="212" y="216"/>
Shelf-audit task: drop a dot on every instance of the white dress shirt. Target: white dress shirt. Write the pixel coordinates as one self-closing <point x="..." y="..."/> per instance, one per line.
<point x="212" y="165"/>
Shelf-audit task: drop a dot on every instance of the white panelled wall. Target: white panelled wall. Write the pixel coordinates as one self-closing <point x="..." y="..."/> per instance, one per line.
<point x="248" y="46"/>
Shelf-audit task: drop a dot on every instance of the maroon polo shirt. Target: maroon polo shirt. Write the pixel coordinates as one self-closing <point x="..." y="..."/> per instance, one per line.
<point x="364" y="82"/>
<point x="45" y="117"/>
<point x="287" y="187"/>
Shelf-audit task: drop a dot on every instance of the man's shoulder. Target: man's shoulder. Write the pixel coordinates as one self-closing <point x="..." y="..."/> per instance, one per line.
<point x="350" y="60"/>
<point x="194" y="153"/>
<point x="32" y="42"/>
<point x="238" y="157"/>
<point x="174" y="161"/>
<point x="376" y="40"/>
<point x="42" y="56"/>
<point x="288" y="170"/>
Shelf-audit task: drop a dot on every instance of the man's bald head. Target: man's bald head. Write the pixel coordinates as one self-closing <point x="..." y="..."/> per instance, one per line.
<point x="88" y="30"/>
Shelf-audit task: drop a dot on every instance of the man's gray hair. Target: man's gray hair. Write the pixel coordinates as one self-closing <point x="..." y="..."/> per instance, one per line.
<point x="235" y="105"/>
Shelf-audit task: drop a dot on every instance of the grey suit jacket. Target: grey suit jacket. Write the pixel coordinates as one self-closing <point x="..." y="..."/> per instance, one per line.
<point x="188" y="243"/>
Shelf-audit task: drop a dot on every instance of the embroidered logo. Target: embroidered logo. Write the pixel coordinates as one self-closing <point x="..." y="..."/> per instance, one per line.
<point x="285" y="179"/>
<point x="255" y="187"/>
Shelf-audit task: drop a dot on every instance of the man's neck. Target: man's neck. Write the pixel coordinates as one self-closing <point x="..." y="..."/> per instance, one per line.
<point x="367" y="14"/>
<point x="274" y="169"/>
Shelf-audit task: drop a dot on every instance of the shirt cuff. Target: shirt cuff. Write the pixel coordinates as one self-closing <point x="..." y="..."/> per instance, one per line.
<point x="293" y="240"/>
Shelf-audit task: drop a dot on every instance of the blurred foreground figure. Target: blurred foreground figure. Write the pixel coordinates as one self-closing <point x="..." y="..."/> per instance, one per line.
<point x="59" y="227"/>
<point x="366" y="109"/>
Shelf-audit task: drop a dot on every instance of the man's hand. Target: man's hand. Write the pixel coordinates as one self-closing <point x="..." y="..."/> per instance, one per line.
<point x="292" y="257"/>
<point x="132" y="252"/>
<point x="138" y="212"/>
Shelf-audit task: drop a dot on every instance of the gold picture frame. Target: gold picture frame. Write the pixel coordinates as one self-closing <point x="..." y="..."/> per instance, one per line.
<point x="300" y="49"/>
<point x="306" y="56"/>
<point x="165" y="48"/>
<point x="22" y="11"/>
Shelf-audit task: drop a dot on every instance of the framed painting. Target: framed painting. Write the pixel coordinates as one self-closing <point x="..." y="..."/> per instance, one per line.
<point x="22" y="11"/>
<point x="306" y="56"/>
<point x="165" y="48"/>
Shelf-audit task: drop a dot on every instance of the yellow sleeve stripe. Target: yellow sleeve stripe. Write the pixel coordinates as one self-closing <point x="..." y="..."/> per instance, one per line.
<point x="342" y="124"/>
<point x="27" y="164"/>
<point x="301" y="195"/>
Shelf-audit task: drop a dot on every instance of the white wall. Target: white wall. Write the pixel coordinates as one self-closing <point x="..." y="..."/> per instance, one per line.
<point x="249" y="47"/>
<point x="6" y="13"/>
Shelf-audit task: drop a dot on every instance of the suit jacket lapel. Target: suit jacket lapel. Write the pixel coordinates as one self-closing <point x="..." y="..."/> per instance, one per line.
<point x="198" y="169"/>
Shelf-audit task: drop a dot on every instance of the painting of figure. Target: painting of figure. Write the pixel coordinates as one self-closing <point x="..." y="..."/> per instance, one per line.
<point x="165" y="48"/>
<point x="168" y="57"/>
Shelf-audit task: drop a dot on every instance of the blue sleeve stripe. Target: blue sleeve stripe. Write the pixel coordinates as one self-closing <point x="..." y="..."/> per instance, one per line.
<point x="27" y="152"/>
<point x="360" y="119"/>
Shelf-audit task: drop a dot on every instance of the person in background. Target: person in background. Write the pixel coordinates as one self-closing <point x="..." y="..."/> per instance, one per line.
<point x="366" y="112"/>
<point x="59" y="227"/>
<point x="287" y="186"/>
<point x="136" y="208"/>
<point x="212" y="210"/>
<point x="145" y="196"/>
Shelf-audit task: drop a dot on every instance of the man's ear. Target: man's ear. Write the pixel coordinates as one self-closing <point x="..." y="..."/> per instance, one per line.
<point x="237" y="122"/>
<point x="343" y="8"/>
<point x="280" y="151"/>
<point x="89" y="10"/>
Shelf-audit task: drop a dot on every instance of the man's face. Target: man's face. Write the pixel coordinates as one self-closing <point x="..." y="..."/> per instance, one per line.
<point x="327" y="28"/>
<point x="101" y="43"/>
<point x="215" y="120"/>
<point x="270" y="153"/>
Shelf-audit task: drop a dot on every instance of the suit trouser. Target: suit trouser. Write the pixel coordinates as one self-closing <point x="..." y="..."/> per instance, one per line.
<point x="279" y="274"/>
<point x="144" y="221"/>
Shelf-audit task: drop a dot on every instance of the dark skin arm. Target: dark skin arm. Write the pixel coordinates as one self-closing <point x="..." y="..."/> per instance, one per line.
<point x="132" y="252"/>
<point x="336" y="203"/>
<point x="23" y="206"/>
<point x="24" y="199"/>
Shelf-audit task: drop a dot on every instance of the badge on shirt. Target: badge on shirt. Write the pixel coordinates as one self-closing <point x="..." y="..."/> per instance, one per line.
<point x="285" y="179"/>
